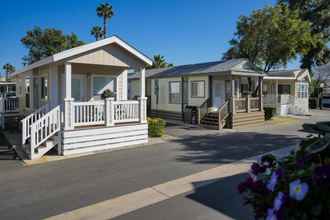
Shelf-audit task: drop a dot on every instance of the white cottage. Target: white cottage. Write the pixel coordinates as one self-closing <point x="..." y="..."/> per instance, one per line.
<point x="59" y="99"/>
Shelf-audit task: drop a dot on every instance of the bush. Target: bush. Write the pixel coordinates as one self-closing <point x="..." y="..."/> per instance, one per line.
<point x="107" y="94"/>
<point x="294" y="187"/>
<point x="156" y="127"/>
<point x="269" y="113"/>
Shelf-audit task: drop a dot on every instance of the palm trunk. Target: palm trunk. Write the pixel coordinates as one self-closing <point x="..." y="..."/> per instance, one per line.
<point x="104" y="28"/>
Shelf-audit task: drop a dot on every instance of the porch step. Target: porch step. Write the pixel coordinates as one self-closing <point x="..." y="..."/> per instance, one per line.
<point x="210" y="121"/>
<point x="45" y="147"/>
<point x="166" y="115"/>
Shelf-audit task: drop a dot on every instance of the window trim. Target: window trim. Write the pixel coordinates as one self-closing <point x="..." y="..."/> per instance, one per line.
<point x="169" y="92"/>
<point x="204" y="88"/>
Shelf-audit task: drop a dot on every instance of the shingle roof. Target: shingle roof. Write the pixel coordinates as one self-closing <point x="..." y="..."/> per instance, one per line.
<point x="201" y="68"/>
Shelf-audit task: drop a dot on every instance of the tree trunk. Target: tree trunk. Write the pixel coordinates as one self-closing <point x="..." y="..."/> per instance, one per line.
<point x="104" y="28"/>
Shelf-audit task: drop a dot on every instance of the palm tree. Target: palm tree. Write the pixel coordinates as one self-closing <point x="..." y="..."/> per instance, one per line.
<point x="159" y="62"/>
<point x="97" y="32"/>
<point x="104" y="10"/>
<point x="8" y="68"/>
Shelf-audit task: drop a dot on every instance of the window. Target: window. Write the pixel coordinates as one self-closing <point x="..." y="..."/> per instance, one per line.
<point x="156" y="90"/>
<point x="198" y="89"/>
<point x="101" y="83"/>
<point x="302" y="90"/>
<point x="44" y="90"/>
<point x="284" y="89"/>
<point x="174" y="93"/>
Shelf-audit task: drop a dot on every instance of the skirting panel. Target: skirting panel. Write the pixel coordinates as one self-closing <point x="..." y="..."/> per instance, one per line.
<point x="99" y="139"/>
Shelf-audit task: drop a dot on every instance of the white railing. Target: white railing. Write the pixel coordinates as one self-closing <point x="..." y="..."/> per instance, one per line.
<point x="45" y="127"/>
<point x="88" y="113"/>
<point x="126" y="111"/>
<point x="29" y="120"/>
<point x="107" y="112"/>
<point x="11" y="104"/>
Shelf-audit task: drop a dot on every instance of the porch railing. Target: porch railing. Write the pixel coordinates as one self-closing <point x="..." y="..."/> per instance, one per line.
<point x="126" y="111"/>
<point x="29" y="120"/>
<point x="203" y="109"/>
<point x="9" y="104"/>
<point x="240" y="104"/>
<point x="247" y="104"/>
<point x="88" y="113"/>
<point x="45" y="127"/>
<point x="107" y="112"/>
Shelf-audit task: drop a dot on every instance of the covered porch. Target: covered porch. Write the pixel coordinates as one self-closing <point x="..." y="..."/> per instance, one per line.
<point x="82" y="93"/>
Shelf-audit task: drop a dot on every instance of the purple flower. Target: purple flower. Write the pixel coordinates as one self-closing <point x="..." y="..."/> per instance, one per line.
<point x="322" y="175"/>
<point x="271" y="215"/>
<point x="298" y="190"/>
<point x="256" y="168"/>
<point x="278" y="201"/>
<point x="272" y="182"/>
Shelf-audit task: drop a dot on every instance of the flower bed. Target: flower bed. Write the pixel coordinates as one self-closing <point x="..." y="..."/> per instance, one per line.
<point x="295" y="187"/>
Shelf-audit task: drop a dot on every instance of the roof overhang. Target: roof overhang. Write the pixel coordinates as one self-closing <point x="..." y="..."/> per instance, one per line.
<point x="279" y="78"/>
<point x="85" y="48"/>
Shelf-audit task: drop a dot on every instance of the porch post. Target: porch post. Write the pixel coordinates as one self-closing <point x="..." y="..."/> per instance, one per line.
<point x="233" y="96"/>
<point x="2" y="112"/>
<point x="109" y="111"/>
<point x="248" y="107"/>
<point x="143" y="109"/>
<point x="261" y="100"/>
<point x="68" y="101"/>
<point x="143" y="82"/>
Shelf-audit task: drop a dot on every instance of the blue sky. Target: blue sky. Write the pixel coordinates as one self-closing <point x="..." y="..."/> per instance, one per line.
<point x="184" y="31"/>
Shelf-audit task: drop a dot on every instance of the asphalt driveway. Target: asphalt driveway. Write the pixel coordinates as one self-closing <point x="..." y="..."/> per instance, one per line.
<point x="49" y="189"/>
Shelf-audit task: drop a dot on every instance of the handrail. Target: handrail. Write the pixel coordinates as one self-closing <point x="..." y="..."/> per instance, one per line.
<point x="223" y="113"/>
<point x="29" y="120"/>
<point x="45" y="127"/>
<point x="203" y="109"/>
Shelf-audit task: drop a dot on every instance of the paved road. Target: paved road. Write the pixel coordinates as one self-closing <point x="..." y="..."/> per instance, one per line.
<point x="49" y="189"/>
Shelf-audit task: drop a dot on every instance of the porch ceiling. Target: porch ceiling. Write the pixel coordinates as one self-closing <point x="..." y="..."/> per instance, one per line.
<point x="81" y="68"/>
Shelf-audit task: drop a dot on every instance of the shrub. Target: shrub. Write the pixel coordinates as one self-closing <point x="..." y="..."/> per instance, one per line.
<point x="294" y="187"/>
<point x="156" y="127"/>
<point x="269" y="113"/>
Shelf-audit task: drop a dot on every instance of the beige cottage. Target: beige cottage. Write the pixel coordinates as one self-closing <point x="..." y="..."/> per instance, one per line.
<point x="60" y="102"/>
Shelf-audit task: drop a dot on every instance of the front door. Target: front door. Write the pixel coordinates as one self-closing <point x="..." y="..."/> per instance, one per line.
<point x="218" y="93"/>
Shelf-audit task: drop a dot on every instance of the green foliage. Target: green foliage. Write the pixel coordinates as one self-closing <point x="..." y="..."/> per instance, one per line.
<point x="156" y="127"/>
<point x="270" y="37"/>
<point x="317" y="12"/>
<point x="107" y="94"/>
<point x="269" y="113"/>
<point x="8" y="68"/>
<point x="42" y="43"/>
<point x="105" y="11"/>
<point x="159" y="61"/>
<point x="97" y="32"/>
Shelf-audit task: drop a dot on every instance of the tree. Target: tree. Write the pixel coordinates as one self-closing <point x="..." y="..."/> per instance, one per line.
<point x="270" y="37"/>
<point x="97" y="32"/>
<point x="159" y="62"/>
<point x="317" y="12"/>
<point x="42" y="43"/>
<point x="104" y="10"/>
<point x="8" y="68"/>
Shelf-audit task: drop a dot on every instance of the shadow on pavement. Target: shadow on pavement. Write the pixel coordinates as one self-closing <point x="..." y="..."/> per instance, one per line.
<point x="231" y="147"/>
<point x="222" y="196"/>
